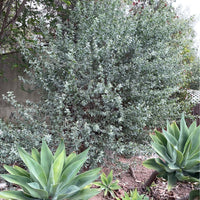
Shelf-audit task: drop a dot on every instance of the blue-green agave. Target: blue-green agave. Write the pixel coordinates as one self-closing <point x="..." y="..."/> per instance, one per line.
<point x="179" y="153"/>
<point x="51" y="176"/>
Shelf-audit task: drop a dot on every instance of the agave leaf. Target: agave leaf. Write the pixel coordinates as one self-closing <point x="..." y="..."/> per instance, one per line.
<point x="34" y="167"/>
<point x="68" y="160"/>
<point x="171" y="151"/>
<point x="194" y="169"/>
<point x="85" y="194"/>
<point x="182" y="177"/>
<point x="184" y="134"/>
<point x="161" y="138"/>
<point x="18" y="195"/>
<point x="46" y="158"/>
<point x="86" y="178"/>
<point x="152" y="164"/>
<point x="35" y="155"/>
<point x="175" y="130"/>
<point x="110" y="177"/>
<point x="163" y="165"/>
<point x="71" y="171"/>
<point x="195" y="139"/>
<point x="16" y="171"/>
<point x="162" y="151"/>
<point x="179" y="157"/>
<point x="171" y="181"/>
<point x="36" y="191"/>
<point x="170" y="138"/>
<point x="192" y="127"/>
<point x="23" y="182"/>
<point x="56" y="169"/>
<point x="156" y="139"/>
<point x="60" y="148"/>
<point x="194" y="156"/>
<point x="82" y="155"/>
<point x="191" y="163"/>
<point x="21" y="171"/>
<point x="67" y="192"/>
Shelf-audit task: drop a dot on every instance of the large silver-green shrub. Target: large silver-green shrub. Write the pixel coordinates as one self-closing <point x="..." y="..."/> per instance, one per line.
<point x="104" y="77"/>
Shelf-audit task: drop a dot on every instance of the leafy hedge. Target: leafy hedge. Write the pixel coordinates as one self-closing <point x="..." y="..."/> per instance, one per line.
<point x="104" y="77"/>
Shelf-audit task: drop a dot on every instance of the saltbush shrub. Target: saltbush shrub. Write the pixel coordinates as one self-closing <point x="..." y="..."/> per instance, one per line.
<point x="105" y="76"/>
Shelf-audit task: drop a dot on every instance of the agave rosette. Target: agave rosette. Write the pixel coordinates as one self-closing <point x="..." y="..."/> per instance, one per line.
<point x="179" y="153"/>
<point x="51" y="176"/>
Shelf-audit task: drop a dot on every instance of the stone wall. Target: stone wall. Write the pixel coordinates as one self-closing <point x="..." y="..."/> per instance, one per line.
<point x="11" y="66"/>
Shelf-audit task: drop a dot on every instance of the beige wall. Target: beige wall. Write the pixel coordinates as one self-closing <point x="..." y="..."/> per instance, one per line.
<point x="11" y="67"/>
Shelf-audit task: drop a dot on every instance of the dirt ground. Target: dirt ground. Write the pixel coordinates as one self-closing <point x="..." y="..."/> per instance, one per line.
<point x="130" y="180"/>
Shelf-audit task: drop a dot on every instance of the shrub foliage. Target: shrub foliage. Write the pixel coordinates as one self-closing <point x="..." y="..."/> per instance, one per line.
<point x="104" y="76"/>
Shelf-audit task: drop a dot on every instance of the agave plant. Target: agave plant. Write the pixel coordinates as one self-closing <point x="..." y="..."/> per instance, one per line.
<point x="51" y="176"/>
<point x="134" y="196"/>
<point x="107" y="185"/>
<point x="179" y="153"/>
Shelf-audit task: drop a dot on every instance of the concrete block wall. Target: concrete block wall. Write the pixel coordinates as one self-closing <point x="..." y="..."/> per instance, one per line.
<point x="10" y="68"/>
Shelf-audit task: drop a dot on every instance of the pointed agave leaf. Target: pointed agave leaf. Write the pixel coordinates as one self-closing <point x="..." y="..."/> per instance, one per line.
<point x="161" y="138"/>
<point x="16" y="171"/>
<point x="156" y="139"/>
<point x="56" y="168"/>
<point x="80" y="156"/>
<point x="110" y="177"/>
<point x="71" y="171"/>
<point x="86" y="178"/>
<point x="162" y="151"/>
<point x="191" y="163"/>
<point x="23" y="182"/>
<point x="192" y="127"/>
<point x="60" y="148"/>
<point x="68" y="191"/>
<point x="179" y="157"/>
<point x="46" y="158"/>
<point x="170" y="138"/>
<point x="171" y="181"/>
<point x="152" y="164"/>
<point x="35" y="155"/>
<point x="34" y="167"/>
<point x="182" y="177"/>
<point x="175" y="130"/>
<point x="184" y="134"/>
<point x="21" y="171"/>
<point x="163" y="165"/>
<point x="68" y="159"/>
<point x="19" y="195"/>
<point x="195" y="140"/>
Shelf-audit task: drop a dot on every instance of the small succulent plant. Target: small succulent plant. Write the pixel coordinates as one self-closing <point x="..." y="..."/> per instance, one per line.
<point x="179" y="153"/>
<point x="51" y="176"/>
<point x="107" y="184"/>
